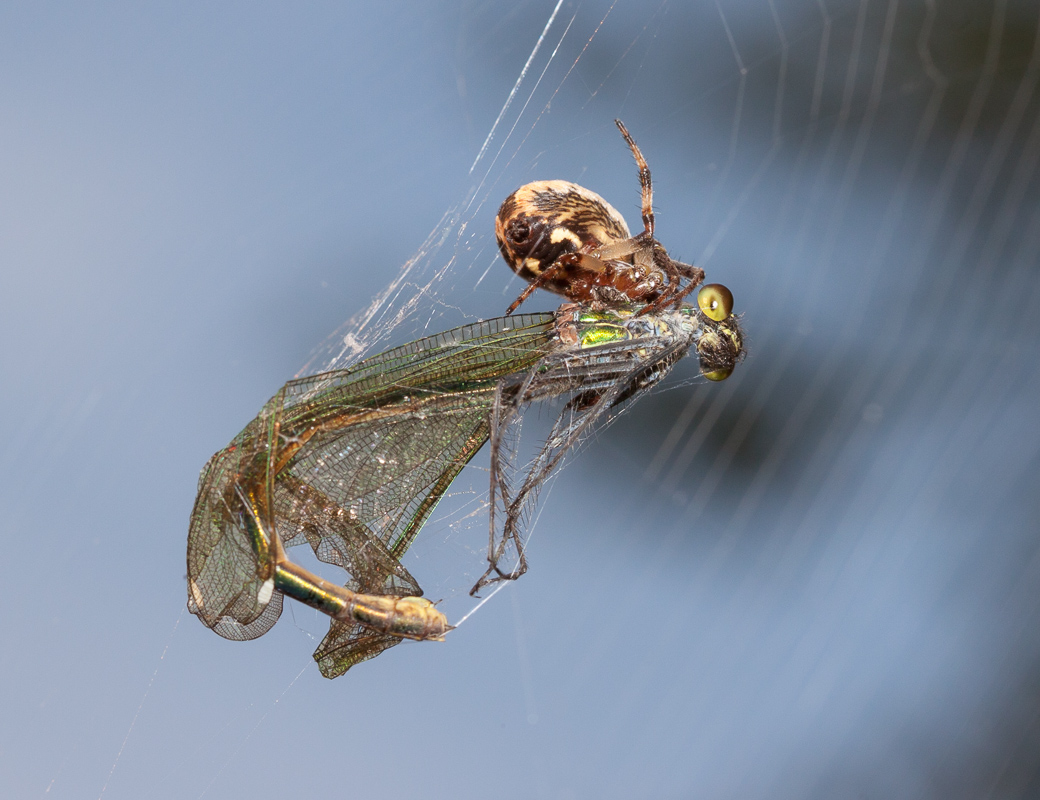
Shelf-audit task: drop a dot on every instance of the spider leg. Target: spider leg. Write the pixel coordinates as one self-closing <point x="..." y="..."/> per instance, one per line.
<point x="688" y="271"/>
<point x="674" y="283"/>
<point x="675" y="294"/>
<point x="644" y="179"/>
<point x="580" y="262"/>
<point x="672" y="297"/>
<point x="540" y="278"/>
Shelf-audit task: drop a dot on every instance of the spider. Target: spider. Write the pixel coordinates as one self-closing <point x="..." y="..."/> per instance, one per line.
<point x="562" y="237"/>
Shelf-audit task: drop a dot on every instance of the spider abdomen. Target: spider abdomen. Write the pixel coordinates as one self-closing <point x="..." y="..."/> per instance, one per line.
<point x="556" y="223"/>
<point x="544" y="220"/>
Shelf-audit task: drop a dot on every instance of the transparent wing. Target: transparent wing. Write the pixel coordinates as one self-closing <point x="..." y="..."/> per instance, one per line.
<point x="617" y="358"/>
<point x="370" y="491"/>
<point x="228" y="562"/>
<point x="352" y="462"/>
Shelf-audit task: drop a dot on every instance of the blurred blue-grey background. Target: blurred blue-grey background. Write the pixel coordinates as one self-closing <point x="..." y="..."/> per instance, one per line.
<point x="819" y="579"/>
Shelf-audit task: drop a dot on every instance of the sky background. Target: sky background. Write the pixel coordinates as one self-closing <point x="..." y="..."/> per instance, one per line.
<point x="818" y="579"/>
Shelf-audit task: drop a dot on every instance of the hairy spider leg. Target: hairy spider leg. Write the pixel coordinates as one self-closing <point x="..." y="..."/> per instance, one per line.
<point x="644" y="179"/>
<point x="673" y="295"/>
<point x="568" y="261"/>
<point x="542" y="277"/>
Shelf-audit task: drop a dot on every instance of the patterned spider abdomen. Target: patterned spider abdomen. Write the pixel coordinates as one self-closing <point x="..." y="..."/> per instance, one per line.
<point x="544" y="220"/>
<point x="549" y="224"/>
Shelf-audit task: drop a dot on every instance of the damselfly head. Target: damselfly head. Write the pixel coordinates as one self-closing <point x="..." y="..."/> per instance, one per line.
<point x="721" y="343"/>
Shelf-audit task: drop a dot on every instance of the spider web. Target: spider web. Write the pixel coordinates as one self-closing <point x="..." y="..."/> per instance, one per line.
<point x="818" y="579"/>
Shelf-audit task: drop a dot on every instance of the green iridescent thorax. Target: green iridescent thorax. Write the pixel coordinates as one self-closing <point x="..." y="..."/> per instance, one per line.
<point x="599" y="327"/>
<point x="719" y="343"/>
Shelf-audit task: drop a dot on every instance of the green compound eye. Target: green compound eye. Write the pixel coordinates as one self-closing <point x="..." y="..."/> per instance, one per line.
<point x="716" y="301"/>
<point x="718" y="374"/>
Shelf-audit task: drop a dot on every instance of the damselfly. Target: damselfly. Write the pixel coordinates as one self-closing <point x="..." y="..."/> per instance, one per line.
<point x="352" y="462"/>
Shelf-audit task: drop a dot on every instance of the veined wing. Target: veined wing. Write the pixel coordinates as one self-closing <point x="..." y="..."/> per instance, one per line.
<point x="615" y="356"/>
<point x="351" y="461"/>
<point x="354" y="461"/>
